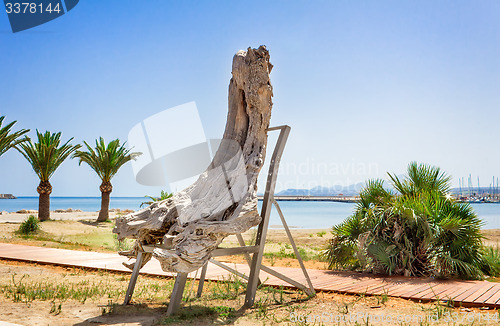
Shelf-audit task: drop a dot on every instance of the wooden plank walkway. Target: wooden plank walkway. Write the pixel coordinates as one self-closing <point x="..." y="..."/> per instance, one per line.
<point x="466" y="293"/>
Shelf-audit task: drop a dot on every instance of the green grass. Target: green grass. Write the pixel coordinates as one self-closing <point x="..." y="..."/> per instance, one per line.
<point x="29" y="226"/>
<point x="23" y="290"/>
<point x="108" y="242"/>
<point x="224" y="311"/>
<point x="227" y="289"/>
<point x="492" y="256"/>
<point x="286" y="251"/>
<point x="231" y="292"/>
<point x="321" y="234"/>
<point x="253" y="237"/>
<point x="189" y="314"/>
<point x="98" y="237"/>
<point x="99" y="240"/>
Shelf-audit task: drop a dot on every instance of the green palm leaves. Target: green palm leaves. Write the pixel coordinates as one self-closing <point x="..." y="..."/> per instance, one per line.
<point x="417" y="231"/>
<point x="163" y="195"/>
<point x="104" y="159"/>
<point x="47" y="154"/>
<point x="422" y="178"/>
<point x="9" y="139"/>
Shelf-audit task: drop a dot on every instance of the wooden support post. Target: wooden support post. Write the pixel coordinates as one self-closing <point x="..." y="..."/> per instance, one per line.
<point x="133" y="278"/>
<point x="256" y="250"/>
<point x="177" y="292"/>
<point x="310" y="291"/>
<point x="202" y="279"/>
<point x="229" y="269"/>
<point x="247" y="256"/>
<point x="253" y="279"/>
<point x="242" y="244"/>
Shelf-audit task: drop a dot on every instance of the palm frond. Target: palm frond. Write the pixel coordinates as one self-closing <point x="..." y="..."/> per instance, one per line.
<point x="9" y="138"/>
<point x="415" y="232"/>
<point x="105" y="160"/>
<point x="373" y="194"/>
<point x="47" y="154"/>
<point x="422" y="178"/>
<point x="451" y="267"/>
<point x="163" y="195"/>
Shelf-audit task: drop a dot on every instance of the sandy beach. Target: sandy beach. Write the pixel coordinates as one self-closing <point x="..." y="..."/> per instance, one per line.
<point x="276" y="232"/>
<point x="314" y="239"/>
<point x="78" y="231"/>
<point x="73" y="215"/>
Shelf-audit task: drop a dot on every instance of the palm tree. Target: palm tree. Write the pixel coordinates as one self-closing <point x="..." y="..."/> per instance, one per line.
<point x="9" y="139"/>
<point x="163" y="195"/>
<point x="105" y="160"/>
<point x="45" y="156"/>
<point x="417" y="231"/>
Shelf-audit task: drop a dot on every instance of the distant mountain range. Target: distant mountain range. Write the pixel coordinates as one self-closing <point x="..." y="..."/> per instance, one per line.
<point x="351" y="190"/>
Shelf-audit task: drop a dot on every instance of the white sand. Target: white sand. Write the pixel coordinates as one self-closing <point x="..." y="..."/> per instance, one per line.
<point x="74" y="216"/>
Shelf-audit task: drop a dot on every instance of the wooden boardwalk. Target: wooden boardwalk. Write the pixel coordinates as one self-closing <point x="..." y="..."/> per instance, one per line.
<point x="466" y="293"/>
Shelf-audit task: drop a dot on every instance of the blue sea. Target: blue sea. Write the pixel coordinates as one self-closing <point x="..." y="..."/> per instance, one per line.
<point x="298" y="214"/>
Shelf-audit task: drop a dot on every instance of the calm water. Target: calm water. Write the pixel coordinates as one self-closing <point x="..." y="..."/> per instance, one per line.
<point x="318" y="215"/>
<point x="86" y="204"/>
<point x="301" y="214"/>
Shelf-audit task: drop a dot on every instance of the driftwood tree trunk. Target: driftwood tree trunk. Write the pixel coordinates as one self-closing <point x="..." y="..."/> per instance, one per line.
<point x="223" y="201"/>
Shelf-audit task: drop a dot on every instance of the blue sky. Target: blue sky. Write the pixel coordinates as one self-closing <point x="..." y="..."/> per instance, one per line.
<point x="367" y="86"/>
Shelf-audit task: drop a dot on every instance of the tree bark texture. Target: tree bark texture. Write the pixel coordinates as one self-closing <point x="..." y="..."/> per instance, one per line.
<point x="223" y="200"/>
<point x="106" y="189"/>
<point x="44" y="190"/>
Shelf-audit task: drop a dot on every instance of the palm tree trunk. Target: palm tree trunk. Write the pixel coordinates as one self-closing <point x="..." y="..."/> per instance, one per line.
<point x="44" y="207"/>
<point x="44" y="189"/>
<point x="104" y="212"/>
<point x="106" y="189"/>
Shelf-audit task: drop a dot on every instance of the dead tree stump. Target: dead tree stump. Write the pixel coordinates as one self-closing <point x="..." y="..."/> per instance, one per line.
<point x="223" y="200"/>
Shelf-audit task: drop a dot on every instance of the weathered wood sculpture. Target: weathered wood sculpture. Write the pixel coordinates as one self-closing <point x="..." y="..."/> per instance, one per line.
<point x="223" y="201"/>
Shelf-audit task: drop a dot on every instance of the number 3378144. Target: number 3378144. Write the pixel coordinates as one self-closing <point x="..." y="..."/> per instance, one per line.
<point x="30" y="8"/>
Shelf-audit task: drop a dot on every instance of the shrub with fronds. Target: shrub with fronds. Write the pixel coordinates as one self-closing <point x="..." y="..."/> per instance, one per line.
<point x="29" y="226"/>
<point x="417" y="231"/>
<point x="492" y="256"/>
<point x="163" y="195"/>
